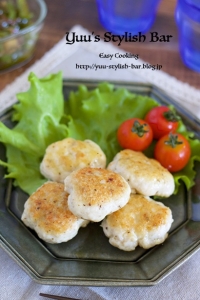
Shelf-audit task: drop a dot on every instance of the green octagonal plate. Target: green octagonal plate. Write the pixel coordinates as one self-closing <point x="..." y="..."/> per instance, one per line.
<point x="89" y="259"/>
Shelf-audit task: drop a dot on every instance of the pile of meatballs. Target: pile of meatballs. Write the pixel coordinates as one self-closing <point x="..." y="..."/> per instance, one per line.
<point x="81" y="189"/>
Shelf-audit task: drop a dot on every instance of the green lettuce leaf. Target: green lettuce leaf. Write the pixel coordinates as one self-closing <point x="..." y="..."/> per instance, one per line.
<point x="97" y="114"/>
<point x="38" y="116"/>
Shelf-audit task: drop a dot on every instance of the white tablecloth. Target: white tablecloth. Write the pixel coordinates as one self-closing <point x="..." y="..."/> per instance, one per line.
<point x="182" y="283"/>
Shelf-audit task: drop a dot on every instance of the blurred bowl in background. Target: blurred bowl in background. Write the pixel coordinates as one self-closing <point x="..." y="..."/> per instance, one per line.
<point x="20" y="24"/>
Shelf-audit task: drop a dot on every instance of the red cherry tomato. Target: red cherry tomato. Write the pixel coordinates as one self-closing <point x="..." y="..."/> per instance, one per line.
<point x="135" y="134"/>
<point x="162" y="121"/>
<point x="173" y="152"/>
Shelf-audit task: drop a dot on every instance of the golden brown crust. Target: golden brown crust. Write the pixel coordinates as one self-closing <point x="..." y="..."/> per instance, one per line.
<point x="95" y="185"/>
<point x="141" y="214"/>
<point x="48" y="207"/>
<point x="145" y="175"/>
<point x="95" y="193"/>
<point x="141" y="165"/>
<point x="65" y="156"/>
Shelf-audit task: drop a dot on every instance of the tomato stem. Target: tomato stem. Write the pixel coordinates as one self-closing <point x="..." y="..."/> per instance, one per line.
<point x="171" y="116"/>
<point x="139" y="128"/>
<point x="173" y="140"/>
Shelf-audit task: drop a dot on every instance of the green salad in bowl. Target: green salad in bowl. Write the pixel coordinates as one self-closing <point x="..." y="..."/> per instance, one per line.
<point x="20" y="24"/>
